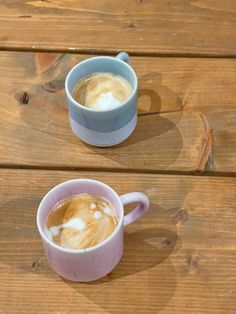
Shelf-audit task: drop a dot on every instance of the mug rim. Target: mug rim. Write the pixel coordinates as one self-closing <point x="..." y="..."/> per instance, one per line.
<point x="85" y="250"/>
<point x="114" y="59"/>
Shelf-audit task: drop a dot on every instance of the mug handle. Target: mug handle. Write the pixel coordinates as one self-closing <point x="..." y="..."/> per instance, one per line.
<point x="123" y="56"/>
<point x="139" y="210"/>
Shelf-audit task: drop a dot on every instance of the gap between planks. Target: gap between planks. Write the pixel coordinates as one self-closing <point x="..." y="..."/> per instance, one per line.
<point x="117" y="170"/>
<point x="114" y="52"/>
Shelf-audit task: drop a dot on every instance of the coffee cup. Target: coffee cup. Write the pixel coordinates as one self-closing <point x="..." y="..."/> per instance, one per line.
<point x="94" y="262"/>
<point x="105" y="127"/>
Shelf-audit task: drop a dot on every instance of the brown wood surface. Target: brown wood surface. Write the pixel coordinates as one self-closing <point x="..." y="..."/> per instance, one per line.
<point x="187" y="116"/>
<point x="179" y="258"/>
<point x="184" y="27"/>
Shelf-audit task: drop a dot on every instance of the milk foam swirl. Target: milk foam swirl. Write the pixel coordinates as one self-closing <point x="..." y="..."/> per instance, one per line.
<point x="102" y="91"/>
<point x="81" y="221"/>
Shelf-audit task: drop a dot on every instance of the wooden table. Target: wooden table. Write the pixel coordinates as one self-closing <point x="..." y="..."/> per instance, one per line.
<point x="181" y="256"/>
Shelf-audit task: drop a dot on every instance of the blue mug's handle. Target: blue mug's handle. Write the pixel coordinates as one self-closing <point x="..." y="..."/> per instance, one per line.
<point x="124" y="57"/>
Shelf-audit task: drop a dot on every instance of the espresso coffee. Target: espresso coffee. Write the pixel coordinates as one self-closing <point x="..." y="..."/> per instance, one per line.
<point x="81" y="221"/>
<point x="102" y="91"/>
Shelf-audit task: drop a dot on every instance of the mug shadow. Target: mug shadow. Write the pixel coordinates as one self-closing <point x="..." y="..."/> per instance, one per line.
<point x="154" y="97"/>
<point x="143" y="249"/>
<point x="140" y="278"/>
<point x="148" y="128"/>
<point x="149" y="145"/>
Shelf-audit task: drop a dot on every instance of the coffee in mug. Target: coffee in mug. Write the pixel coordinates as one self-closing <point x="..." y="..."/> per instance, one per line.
<point x="102" y="91"/>
<point x="81" y="221"/>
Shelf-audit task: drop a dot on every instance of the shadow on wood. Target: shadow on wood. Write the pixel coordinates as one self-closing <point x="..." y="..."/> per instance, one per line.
<point x="149" y="139"/>
<point x="143" y="249"/>
<point x="152" y="94"/>
<point x="145" y="253"/>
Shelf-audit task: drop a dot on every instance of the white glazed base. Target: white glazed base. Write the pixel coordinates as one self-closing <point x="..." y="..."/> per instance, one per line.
<point x="102" y="139"/>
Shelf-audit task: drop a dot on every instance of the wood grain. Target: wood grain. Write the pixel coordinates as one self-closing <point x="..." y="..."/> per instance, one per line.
<point x="186" y="27"/>
<point x="186" y="123"/>
<point x="179" y="258"/>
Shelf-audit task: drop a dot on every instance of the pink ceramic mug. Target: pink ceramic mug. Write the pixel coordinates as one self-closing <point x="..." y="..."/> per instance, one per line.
<point x="94" y="262"/>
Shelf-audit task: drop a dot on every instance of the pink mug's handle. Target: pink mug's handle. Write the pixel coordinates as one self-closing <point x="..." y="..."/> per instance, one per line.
<point x="139" y="210"/>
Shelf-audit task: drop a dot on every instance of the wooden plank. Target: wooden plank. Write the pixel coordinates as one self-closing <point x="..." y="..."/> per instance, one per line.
<point x="179" y="258"/>
<point x="201" y="27"/>
<point x="195" y="130"/>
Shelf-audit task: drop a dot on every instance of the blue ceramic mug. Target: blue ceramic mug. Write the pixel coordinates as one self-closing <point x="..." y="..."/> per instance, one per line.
<point x="105" y="127"/>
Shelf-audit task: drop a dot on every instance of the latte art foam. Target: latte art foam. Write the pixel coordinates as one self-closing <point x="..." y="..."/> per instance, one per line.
<point x="81" y="221"/>
<point x="102" y="91"/>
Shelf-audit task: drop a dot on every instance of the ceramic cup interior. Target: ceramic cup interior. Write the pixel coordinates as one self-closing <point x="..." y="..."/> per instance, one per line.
<point x="100" y="64"/>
